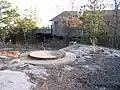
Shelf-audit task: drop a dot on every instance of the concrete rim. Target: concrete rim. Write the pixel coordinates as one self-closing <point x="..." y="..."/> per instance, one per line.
<point x="46" y="54"/>
<point x="70" y="57"/>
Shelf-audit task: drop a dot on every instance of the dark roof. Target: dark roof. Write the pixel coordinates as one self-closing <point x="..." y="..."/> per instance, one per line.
<point x="66" y="14"/>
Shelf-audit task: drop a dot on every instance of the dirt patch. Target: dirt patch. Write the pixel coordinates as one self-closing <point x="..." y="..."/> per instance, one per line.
<point x="90" y="71"/>
<point x="13" y="54"/>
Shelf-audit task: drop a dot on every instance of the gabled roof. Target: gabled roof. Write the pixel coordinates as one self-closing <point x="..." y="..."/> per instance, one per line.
<point x="66" y="14"/>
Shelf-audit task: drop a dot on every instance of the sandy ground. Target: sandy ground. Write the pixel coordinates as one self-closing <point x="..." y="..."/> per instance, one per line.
<point x="90" y="71"/>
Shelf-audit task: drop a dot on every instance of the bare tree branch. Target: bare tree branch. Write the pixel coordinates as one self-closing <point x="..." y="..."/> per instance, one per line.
<point x="118" y="5"/>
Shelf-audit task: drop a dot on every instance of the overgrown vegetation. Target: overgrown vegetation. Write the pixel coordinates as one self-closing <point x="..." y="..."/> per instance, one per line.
<point x="8" y="17"/>
<point x="97" y="28"/>
<point x="93" y="24"/>
<point x="13" y="24"/>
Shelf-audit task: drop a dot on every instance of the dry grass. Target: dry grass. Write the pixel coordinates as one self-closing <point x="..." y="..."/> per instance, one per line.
<point x="11" y="54"/>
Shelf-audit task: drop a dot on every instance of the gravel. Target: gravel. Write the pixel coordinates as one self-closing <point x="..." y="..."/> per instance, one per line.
<point x="90" y="71"/>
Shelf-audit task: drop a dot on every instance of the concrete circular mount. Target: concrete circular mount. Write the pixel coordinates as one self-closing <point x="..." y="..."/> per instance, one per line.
<point x="47" y="54"/>
<point x="55" y="57"/>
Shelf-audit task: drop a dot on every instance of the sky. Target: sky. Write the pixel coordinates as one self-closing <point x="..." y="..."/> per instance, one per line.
<point x="48" y="9"/>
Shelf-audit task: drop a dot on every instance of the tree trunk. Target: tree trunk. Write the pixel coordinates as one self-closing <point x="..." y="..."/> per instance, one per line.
<point x="117" y="23"/>
<point x="25" y="41"/>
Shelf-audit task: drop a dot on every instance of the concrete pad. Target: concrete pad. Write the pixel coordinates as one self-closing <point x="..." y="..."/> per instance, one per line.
<point x="47" y="54"/>
<point x="69" y="57"/>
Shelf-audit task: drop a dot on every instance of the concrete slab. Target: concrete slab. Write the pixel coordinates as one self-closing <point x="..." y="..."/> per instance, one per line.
<point x="69" y="57"/>
<point x="47" y="54"/>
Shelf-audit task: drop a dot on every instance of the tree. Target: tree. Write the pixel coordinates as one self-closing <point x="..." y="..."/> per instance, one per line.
<point x="27" y="23"/>
<point x="94" y="25"/>
<point x="8" y="16"/>
<point x="113" y="25"/>
<point x="116" y="31"/>
<point x="12" y="22"/>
